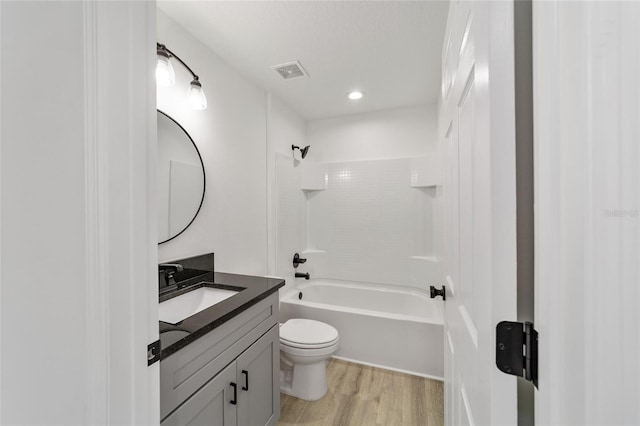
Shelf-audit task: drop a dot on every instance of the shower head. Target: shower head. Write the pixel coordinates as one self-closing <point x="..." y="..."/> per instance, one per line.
<point x="303" y="151"/>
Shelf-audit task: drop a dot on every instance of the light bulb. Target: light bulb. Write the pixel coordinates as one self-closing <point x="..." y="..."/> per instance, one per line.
<point x="197" y="99"/>
<point x="165" y="76"/>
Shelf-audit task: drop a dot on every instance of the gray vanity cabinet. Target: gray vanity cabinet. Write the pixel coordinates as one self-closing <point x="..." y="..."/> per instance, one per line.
<point x="197" y="383"/>
<point x="210" y="405"/>
<point x="258" y="386"/>
<point x="255" y="394"/>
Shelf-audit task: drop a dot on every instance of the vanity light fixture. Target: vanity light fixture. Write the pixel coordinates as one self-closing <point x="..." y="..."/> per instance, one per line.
<point x="355" y="95"/>
<point x="165" y="76"/>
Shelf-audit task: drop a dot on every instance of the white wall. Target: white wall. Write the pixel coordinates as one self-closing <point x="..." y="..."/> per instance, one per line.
<point x="395" y="133"/>
<point x="240" y="137"/>
<point x="77" y="225"/>
<point x="285" y="128"/>
<point x="253" y="216"/>
<point x="231" y="137"/>
<point x="370" y="224"/>
<point x="48" y="162"/>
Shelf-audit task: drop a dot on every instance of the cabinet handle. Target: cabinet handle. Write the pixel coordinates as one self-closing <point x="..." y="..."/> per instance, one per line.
<point x="246" y="380"/>
<point x="234" y="401"/>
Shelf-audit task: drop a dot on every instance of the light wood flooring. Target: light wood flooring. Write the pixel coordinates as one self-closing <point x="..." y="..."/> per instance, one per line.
<point x="367" y="396"/>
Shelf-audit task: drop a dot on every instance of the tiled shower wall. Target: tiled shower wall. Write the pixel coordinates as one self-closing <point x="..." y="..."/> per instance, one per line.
<point x="364" y="205"/>
<point x="370" y="225"/>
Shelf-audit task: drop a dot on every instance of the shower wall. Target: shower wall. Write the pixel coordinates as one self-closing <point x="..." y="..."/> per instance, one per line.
<point x="370" y="224"/>
<point x="365" y="201"/>
<point x="285" y="128"/>
<point x="289" y="205"/>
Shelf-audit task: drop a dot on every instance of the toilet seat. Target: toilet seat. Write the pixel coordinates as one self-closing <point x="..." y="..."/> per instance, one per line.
<point x="307" y="334"/>
<point x="287" y="343"/>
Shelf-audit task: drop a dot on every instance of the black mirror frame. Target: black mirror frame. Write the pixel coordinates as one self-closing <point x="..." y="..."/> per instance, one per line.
<point x="204" y="177"/>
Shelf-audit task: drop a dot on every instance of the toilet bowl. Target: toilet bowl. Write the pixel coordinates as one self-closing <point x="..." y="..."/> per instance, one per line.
<point x="305" y="347"/>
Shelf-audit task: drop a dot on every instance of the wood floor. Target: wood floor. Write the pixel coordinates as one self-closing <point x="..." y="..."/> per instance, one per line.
<point x="367" y="396"/>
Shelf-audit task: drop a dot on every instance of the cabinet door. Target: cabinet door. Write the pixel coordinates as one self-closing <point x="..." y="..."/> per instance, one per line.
<point x="211" y="405"/>
<point x="259" y="368"/>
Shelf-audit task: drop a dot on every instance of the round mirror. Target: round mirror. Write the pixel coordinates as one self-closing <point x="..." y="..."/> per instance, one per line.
<point x="180" y="179"/>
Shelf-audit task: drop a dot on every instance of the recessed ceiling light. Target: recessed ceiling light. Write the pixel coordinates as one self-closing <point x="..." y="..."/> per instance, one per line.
<point x="355" y="95"/>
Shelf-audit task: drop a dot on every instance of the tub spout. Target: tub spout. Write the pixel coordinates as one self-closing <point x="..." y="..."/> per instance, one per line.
<point x="301" y="275"/>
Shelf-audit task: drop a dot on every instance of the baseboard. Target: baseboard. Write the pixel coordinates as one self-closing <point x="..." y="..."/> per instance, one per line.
<point x="383" y="367"/>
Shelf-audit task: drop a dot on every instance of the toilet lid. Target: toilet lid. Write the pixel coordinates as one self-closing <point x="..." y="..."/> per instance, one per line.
<point x="307" y="333"/>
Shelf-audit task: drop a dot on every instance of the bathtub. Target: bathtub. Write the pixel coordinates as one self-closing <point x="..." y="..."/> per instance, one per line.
<point x="391" y="327"/>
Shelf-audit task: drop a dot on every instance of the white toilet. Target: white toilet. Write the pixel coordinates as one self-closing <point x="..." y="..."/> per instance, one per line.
<point x="305" y="348"/>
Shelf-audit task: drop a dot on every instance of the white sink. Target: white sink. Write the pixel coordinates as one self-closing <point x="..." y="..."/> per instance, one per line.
<point x="180" y="307"/>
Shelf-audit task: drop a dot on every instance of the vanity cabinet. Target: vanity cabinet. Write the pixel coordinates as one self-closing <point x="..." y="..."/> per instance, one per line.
<point x="211" y="405"/>
<point x="241" y="394"/>
<point x="230" y="376"/>
<point x="258" y="381"/>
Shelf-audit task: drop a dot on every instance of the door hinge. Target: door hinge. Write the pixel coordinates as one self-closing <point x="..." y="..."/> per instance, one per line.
<point x="517" y="350"/>
<point x="153" y="352"/>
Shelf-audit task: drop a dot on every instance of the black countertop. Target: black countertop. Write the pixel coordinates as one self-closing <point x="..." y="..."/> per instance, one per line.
<point x="174" y="337"/>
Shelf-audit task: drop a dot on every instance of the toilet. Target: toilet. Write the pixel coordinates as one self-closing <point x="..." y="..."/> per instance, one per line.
<point x="305" y="348"/>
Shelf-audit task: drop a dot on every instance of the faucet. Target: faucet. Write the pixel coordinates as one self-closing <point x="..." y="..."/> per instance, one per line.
<point x="302" y="275"/>
<point x="169" y="270"/>
<point x="297" y="260"/>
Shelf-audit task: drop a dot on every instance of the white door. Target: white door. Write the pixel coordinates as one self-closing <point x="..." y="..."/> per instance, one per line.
<point x="477" y="128"/>
<point x="587" y="196"/>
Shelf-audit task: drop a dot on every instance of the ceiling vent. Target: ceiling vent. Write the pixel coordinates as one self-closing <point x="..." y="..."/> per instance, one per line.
<point x="290" y="70"/>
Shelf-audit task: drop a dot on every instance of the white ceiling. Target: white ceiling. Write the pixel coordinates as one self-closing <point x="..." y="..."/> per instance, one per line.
<point x="388" y="49"/>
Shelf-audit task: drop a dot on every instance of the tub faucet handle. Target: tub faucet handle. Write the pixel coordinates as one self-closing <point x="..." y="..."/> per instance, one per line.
<point x="302" y="275"/>
<point x="297" y="260"/>
<point x="435" y="292"/>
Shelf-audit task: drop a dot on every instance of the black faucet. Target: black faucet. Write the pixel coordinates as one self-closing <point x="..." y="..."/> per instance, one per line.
<point x="169" y="270"/>
<point x="297" y="260"/>
<point x="302" y="275"/>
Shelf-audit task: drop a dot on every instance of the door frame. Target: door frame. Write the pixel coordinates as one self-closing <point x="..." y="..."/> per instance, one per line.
<point x="586" y="67"/>
<point x="98" y="291"/>
<point x="121" y="244"/>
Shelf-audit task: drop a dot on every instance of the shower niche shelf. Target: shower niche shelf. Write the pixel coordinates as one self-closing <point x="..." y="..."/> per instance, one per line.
<point x="426" y="171"/>
<point x="316" y="261"/>
<point x="313" y="177"/>
<point x="425" y="270"/>
<point x="313" y="251"/>
<point x="433" y="259"/>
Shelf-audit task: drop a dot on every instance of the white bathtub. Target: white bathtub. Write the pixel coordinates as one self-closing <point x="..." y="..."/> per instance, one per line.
<point x="392" y="327"/>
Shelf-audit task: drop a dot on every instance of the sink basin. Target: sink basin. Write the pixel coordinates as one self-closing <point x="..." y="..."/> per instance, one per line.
<point x="180" y="307"/>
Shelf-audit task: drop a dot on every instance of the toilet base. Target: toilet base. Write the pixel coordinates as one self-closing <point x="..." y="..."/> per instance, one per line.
<point x="304" y="381"/>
